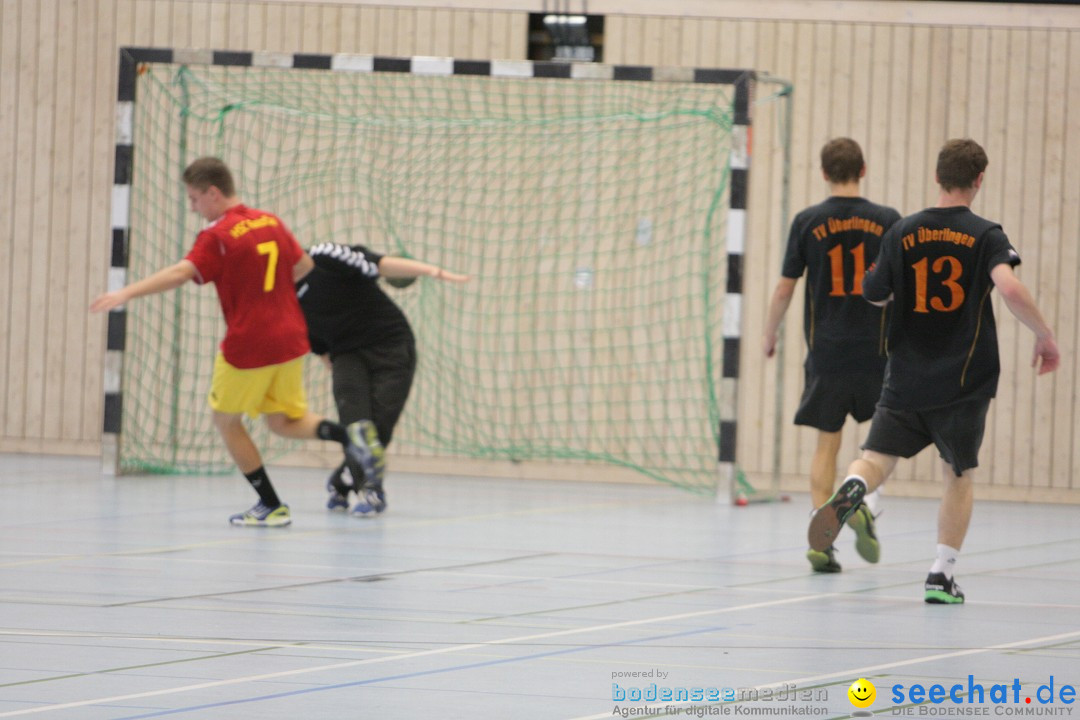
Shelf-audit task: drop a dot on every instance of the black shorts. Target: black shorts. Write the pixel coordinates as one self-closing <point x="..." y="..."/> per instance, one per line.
<point x="828" y="399"/>
<point x="956" y="430"/>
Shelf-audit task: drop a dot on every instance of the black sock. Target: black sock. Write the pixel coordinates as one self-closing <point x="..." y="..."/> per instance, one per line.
<point x="332" y="431"/>
<point x="261" y="482"/>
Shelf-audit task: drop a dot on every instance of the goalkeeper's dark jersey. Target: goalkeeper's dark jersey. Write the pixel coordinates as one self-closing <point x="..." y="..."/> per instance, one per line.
<point x="942" y="339"/>
<point x="344" y="306"/>
<point x="835" y="242"/>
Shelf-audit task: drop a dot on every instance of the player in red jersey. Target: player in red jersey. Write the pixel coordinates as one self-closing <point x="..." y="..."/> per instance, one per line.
<point x="253" y="261"/>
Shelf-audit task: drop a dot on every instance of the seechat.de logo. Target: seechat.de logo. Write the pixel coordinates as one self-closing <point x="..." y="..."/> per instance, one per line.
<point x="975" y="693"/>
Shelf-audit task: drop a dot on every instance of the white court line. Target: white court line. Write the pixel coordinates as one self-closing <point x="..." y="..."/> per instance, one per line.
<point x="423" y="653"/>
<point x="864" y="671"/>
<point x="211" y="642"/>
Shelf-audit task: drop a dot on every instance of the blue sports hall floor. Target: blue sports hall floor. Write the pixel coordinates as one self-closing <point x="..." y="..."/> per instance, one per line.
<point x="133" y="597"/>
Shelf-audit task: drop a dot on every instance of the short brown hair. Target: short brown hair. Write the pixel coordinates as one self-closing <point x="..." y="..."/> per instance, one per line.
<point x="842" y="160"/>
<point x="207" y="172"/>
<point x="959" y="164"/>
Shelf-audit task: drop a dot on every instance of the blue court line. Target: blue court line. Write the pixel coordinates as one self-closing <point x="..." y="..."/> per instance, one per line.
<point x="405" y="676"/>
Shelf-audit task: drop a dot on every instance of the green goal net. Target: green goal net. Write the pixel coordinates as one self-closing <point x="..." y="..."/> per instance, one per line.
<point x="590" y="215"/>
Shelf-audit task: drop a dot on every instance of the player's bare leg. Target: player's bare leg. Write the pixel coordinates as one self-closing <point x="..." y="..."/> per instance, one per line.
<point x="822" y="480"/>
<point x="302" y="428"/>
<point x="823" y="467"/>
<point x="269" y="511"/>
<point x="237" y="441"/>
<point x="954" y="517"/>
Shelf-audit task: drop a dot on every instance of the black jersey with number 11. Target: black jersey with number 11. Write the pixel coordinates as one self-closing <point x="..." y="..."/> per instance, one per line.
<point x="834" y="242"/>
<point x="942" y="341"/>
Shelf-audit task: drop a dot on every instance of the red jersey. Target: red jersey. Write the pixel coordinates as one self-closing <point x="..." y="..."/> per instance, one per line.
<point x="249" y="255"/>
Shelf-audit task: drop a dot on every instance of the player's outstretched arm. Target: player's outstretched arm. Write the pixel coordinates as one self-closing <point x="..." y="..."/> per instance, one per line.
<point x="1046" y="356"/>
<point x="398" y="267"/>
<point x="165" y="279"/>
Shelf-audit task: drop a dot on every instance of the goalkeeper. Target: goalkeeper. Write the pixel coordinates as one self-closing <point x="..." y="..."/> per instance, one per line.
<point x="367" y="342"/>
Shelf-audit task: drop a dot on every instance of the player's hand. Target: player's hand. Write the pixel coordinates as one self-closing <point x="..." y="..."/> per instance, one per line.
<point x="768" y="344"/>
<point x="451" y="277"/>
<point x="107" y="301"/>
<point x="1046" y="357"/>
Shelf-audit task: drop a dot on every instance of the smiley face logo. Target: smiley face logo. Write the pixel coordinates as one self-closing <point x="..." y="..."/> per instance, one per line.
<point x="862" y="693"/>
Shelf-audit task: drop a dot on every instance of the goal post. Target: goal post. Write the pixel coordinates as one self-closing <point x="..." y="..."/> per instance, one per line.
<point x="600" y="210"/>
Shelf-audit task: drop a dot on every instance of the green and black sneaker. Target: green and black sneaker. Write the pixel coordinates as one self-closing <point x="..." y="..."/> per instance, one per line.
<point x="941" y="590"/>
<point x="827" y="520"/>
<point x="823" y="561"/>
<point x="866" y="542"/>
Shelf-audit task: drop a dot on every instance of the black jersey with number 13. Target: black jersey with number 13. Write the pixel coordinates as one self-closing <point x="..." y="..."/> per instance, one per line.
<point x="942" y="341"/>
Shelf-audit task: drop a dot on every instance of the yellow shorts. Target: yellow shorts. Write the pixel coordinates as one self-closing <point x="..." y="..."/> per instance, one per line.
<point x="271" y="389"/>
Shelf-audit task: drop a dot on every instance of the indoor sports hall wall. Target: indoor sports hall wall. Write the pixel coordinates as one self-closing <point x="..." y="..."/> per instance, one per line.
<point x="899" y="77"/>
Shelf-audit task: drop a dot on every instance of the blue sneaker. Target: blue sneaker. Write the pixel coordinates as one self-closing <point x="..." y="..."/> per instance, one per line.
<point x="365" y="455"/>
<point x="830" y="517"/>
<point x="372" y="502"/>
<point x="339" y="489"/>
<point x="261" y="515"/>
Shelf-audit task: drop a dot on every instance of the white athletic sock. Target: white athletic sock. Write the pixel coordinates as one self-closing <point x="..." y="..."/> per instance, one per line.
<point x="873" y="501"/>
<point x="946" y="561"/>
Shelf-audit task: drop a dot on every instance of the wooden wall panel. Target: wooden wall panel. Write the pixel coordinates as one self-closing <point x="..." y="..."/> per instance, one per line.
<point x="10" y="51"/>
<point x="757" y="435"/>
<point x="19" y="414"/>
<point x="878" y="78"/>
<point x="461" y="35"/>
<point x="1000" y="193"/>
<point x="652" y="42"/>
<point x="1014" y="217"/>
<point x="1050" y="394"/>
<point x="443" y="33"/>
<point x="138" y="22"/>
<point x="188" y="25"/>
<point x="1028" y="168"/>
<point x="73" y="378"/>
<point x="40" y="226"/>
<point x="99" y="72"/>
<point x="709" y="39"/>
<point x="806" y="189"/>
<point x="1067" y="421"/>
<point x="424" y="30"/>
<point x="620" y="33"/>
<point x="769" y="224"/>
<point x="59" y="195"/>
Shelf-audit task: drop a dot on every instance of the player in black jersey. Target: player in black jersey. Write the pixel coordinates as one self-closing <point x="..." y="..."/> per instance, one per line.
<point x="833" y="243"/>
<point x="938" y="267"/>
<point x="366" y="340"/>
